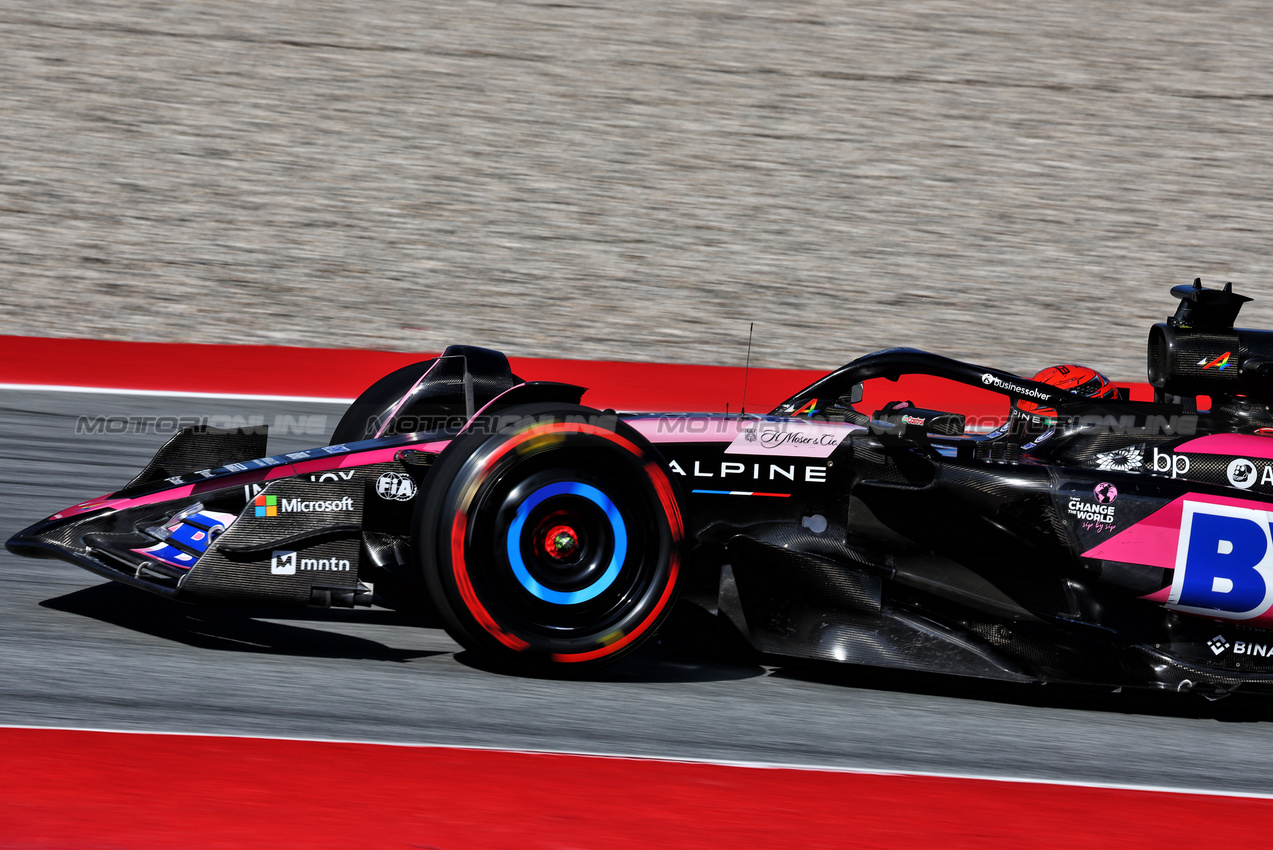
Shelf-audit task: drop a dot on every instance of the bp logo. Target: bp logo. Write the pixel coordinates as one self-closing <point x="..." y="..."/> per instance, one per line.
<point x="395" y="486"/>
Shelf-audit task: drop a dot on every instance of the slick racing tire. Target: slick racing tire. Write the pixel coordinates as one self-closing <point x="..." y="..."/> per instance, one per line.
<point x="550" y="539"/>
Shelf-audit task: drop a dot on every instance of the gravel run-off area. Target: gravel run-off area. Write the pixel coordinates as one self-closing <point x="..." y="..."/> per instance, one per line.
<point x="1015" y="184"/>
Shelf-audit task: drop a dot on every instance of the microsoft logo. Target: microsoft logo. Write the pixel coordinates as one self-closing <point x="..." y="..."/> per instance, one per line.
<point x="266" y="505"/>
<point x="271" y="505"/>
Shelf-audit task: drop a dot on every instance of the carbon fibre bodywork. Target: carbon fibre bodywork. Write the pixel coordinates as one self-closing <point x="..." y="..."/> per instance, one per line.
<point x="1128" y="547"/>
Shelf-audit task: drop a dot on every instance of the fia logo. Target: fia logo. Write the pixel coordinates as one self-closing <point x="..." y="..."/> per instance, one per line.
<point x="283" y="562"/>
<point x="396" y="487"/>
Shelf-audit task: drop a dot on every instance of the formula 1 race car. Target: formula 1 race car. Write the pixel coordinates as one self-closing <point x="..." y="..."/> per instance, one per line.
<point x="1127" y="544"/>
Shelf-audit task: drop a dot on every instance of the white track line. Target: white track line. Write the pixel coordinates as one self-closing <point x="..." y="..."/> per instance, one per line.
<point x="760" y="765"/>
<point x="59" y="388"/>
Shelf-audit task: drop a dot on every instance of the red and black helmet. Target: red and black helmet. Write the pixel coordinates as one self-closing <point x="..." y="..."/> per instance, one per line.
<point x="1080" y="380"/>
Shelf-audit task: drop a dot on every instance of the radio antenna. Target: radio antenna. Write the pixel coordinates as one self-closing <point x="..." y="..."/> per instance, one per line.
<point x="742" y="408"/>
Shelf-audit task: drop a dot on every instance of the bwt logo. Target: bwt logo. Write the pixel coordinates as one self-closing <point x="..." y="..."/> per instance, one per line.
<point x="1224" y="562"/>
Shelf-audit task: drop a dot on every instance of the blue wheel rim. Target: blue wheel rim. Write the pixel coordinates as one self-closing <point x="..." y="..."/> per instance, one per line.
<point x="617" y="527"/>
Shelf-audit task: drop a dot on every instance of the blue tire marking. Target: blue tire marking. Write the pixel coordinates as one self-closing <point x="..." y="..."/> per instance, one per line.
<point x="559" y="597"/>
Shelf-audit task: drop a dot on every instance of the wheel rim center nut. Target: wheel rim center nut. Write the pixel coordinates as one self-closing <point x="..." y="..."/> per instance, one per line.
<point x="560" y="542"/>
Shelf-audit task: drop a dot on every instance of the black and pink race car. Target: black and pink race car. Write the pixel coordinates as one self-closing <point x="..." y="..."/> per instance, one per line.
<point x="1127" y="545"/>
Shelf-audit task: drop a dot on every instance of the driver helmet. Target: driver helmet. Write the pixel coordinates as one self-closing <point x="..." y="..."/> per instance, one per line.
<point x="1035" y="423"/>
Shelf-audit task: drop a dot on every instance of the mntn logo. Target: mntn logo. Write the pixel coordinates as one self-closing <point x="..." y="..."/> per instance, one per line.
<point x="1224" y="562"/>
<point x="283" y="562"/>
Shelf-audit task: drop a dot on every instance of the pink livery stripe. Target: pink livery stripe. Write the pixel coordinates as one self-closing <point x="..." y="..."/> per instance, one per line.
<point x="1245" y="445"/>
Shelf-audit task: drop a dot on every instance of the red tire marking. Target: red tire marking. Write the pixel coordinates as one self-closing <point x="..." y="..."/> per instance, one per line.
<point x="460" y="568"/>
<point x="556" y="427"/>
<point x="72" y="789"/>
<point x="674" y="567"/>
<point x="673" y="513"/>
<point x="459" y="565"/>
<point x="663" y="486"/>
<point x="475" y="606"/>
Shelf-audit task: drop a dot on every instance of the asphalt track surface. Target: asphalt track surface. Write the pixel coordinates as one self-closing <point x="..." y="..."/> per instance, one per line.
<point x="1007" y="183"/>
<point x="78" y="652"/>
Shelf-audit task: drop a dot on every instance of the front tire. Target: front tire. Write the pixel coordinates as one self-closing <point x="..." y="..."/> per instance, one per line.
<point x="552" y="543"/>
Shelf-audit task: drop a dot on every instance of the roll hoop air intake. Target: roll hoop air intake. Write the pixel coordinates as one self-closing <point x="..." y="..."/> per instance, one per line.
<point x="1199" y="352"/>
